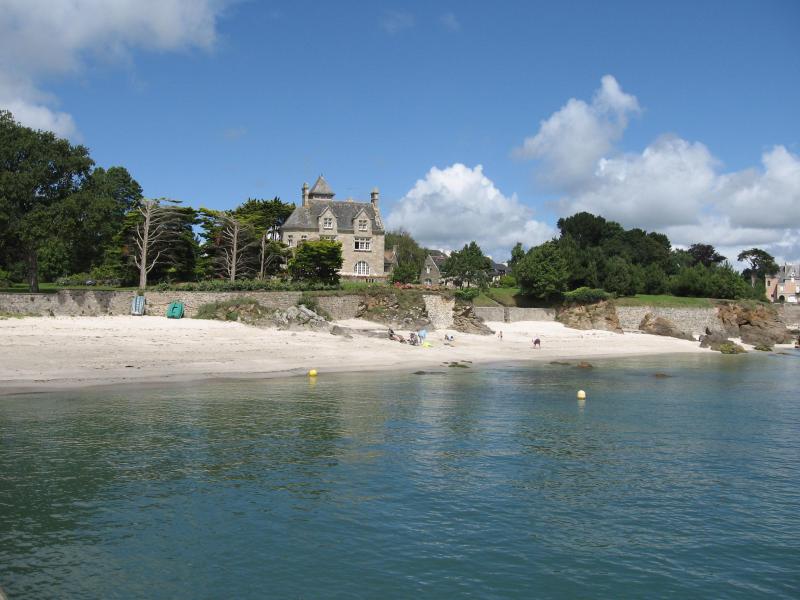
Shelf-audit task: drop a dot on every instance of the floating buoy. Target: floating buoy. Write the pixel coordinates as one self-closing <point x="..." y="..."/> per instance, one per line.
<point x="581" y="395"/>
<point x="312" y="373"/>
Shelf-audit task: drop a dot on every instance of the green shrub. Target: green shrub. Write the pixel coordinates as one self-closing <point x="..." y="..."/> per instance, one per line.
<point x="467" y="294"/>
<point x="731" y="348"/>
<point x="763" y="347"/>
<point x="586" y="295"/>
<point x="5" y="278"/>
<point x="506" y="281"/>
<point x="242" y="285"/>
<point x="231" y="310"/>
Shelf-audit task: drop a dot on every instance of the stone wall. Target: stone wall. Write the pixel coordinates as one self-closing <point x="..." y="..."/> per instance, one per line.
<point x="96" y="303"/>
<point x="530" y="314"/>
<point x="440" y="311"/>
<point x="512" y="314"/>
<point x="491" y="313"/>
<point x="694" y="320"/>
<point x="340" y="307"/>
<point x="789" y="314"/>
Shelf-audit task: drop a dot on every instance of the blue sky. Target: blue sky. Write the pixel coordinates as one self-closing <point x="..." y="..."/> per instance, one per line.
<point x="696" y="132"/>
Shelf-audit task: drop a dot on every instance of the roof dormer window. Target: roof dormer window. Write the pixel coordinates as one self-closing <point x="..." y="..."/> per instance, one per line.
<point x="327" y="223"/>
<point x="362" y="224"/>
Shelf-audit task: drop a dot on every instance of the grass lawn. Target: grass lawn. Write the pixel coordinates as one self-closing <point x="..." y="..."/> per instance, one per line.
<point x="483" y="300"/>
<point x="665" y="301"/>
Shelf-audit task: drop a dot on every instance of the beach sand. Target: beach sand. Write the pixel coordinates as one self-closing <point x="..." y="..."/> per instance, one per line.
<point x="52" y="353"/>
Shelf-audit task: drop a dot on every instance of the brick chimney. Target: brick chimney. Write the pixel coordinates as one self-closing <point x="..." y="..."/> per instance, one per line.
<point x="305" y="194"/>
<point x="374" y="196"/>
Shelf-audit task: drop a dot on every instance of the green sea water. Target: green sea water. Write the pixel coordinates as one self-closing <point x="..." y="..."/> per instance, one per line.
<point x="479" y="482"/>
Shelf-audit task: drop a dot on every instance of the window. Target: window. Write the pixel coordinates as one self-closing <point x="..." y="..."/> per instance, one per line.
<point x="362" y="268"/>
<point x="303" y="238"/>
<point x="428" y="282"/>
<point x="327" y="223"/>
<point x="428" y="269"/>
<point x="327" y="237"/>
<point x="362" y="224"/>
<point x="290" y="240"/>
<point x="363" y="244"/>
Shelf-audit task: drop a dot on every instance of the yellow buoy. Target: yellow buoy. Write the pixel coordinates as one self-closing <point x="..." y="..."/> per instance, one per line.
<point x="312" y="373"/>
<point x="581" y="395"/>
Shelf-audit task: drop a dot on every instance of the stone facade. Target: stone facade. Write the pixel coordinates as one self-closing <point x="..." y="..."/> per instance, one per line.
<point x="440" y="311"/>
<point x="340" y="307"/>
<point x="358" y="226"/>
<point x="784" y="286"/>
<point x="431" y="274"/>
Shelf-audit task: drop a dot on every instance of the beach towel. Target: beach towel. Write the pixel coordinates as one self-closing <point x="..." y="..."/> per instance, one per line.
<point x="175" y="310"/>
<point x="137" y="306"/>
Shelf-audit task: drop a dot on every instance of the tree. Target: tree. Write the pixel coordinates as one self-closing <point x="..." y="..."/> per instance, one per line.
<point x="157" y="227"/>
<point x="619" y="277"/>
<point x="543" y="273"/>
<point x="517" y="254"/>
<point x="762" y="263"/>
<point x="317" y="261"/>
<point x="705" y="254"/>
<point x="265" y="217"/>
<point x="38" y="171"/>
<point x="468" y="265"/>
<point x="410" y="256"/>
<point x="232" y="238"/>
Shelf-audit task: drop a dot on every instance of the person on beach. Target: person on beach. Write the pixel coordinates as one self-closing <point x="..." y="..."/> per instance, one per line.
<point x="537" y="344"/>
<point x="500" y="335"/>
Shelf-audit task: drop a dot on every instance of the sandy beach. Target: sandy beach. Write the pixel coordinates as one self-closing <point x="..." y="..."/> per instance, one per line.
<point x="48" y="353"/>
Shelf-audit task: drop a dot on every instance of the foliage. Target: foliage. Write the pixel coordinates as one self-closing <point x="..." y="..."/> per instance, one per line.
<point x="619" y="277"/>
<point x="731" y="348"/>
<point x="241" y="285"/>
<point x="705" y="254"/>
<point x="543" y="272"/>
<point x="410" y="256"/>
<point x="762" y="263"/>
<point x="405" y="272"/>
<point x="664" y="300"/>
<point x="763" y="347"/>
<point x="517" y="254"/>
<point x="468" y="265"/>
<point x="39" y="172"/>
<point x="5" y="278"/>
<point x="710" y="282"/>
<point x="585" y="295"/>
<point x="317" y="261"/>
<point x="467" y="294"/>
<point x="231" y="309"/>
<point x="507" y="281"/>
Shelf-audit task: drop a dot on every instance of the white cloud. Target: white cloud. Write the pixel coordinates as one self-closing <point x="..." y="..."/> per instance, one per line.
<point x="395" y="21"/>
<point x="42" y="39"/>
<point x="574" y="138"/>
<point x="452" y="206"/>
<point x="673" y="185"/>
<point x="450" y="21"/>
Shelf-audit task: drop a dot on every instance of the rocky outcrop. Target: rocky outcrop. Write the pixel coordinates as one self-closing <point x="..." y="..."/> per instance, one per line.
<point x="718" y="340"/>
<point x="756" y="324"/>
<point x="602" y="315"/>
<point x="466" y="321"/>
<point x="401" y="310"/>
<point x="660" y="326"/>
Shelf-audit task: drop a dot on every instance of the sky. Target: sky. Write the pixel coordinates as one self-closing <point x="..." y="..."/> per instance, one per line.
<point x="477" y="121"/>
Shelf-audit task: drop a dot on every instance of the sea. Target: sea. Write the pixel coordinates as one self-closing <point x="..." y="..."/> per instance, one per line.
<point x="677" y="477"/>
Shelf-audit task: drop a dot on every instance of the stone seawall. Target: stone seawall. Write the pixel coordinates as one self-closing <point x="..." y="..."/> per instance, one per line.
<point x="512" y="315"/>
<point x="99" y="303"/>
<point x="789" y="314"/>
<point x="694" y="320"/>
<point x="339" y="307"/>
<point x="440" y="311"/>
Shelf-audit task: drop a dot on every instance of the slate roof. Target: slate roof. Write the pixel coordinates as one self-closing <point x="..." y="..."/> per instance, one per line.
<point x="321" y="188"/>
<point x="307" y="217"/>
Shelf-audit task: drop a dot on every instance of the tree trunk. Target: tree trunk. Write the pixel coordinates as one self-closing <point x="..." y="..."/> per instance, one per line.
<point x="753" y="278"/>
<point x="33" y="271"/>
<point x="263" y="255"/>
<point x="235" y="249"/>
<point x="143" y="259"/>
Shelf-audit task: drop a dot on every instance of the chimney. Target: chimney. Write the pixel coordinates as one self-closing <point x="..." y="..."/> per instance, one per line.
<point x="305" y="194"/>
<point x="374" y="196"/>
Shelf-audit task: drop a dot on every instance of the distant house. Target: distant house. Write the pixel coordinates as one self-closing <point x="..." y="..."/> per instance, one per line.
<point x="431" y="273"/>
<point x="356" y="225"/>
<point x="498" y="270"/>
<point x="784" y="286"/>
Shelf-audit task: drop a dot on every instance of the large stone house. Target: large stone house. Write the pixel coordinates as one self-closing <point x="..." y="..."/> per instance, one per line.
<point x="356" y="225"/>
<point x="784" y="286"/>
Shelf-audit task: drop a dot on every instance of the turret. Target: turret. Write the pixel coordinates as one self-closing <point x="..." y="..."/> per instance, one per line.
<point x="305" y="194"/>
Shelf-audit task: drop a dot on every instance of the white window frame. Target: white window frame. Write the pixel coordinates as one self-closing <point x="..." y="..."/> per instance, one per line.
<point x="331" y="238"/>
<point x="365" y="268"/>
<point x="290" y="241"/>
<point x="362" y="244"/>
<point x="362" y="224"/>
<point x="327" y="222"/>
